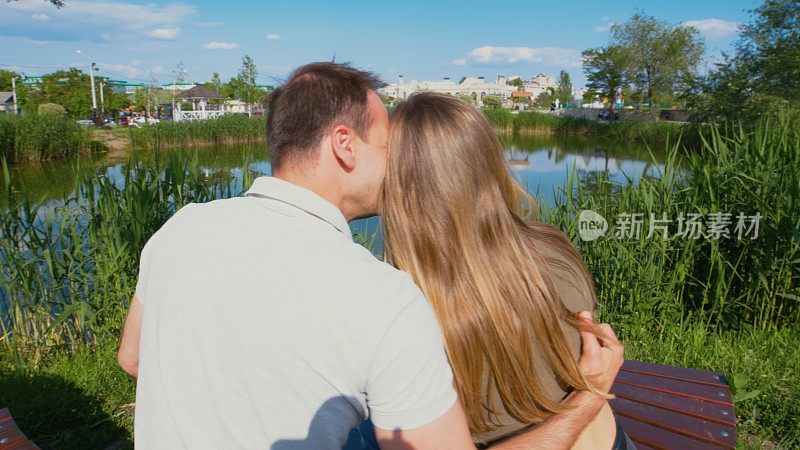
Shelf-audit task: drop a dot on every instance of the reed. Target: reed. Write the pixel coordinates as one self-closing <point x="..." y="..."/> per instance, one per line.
<point x="41" y="137"/>
<point x="647" y="132"/>
<point x="229" y="129"/>
<point x="726" y="283"/>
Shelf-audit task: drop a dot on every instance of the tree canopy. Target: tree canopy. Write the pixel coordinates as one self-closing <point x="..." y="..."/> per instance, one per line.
<point x="763" y="73"/>
<point x="650" y="57"/>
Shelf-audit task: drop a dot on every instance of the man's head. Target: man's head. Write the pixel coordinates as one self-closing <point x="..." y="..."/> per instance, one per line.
<point x="328" y="130"/>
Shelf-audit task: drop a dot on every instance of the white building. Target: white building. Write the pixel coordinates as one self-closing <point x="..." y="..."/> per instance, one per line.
<point x="539" y="84"/>
<point x="477" y="88"/>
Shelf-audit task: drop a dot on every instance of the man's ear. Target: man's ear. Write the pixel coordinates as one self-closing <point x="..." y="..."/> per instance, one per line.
<point x="342" y="140"/>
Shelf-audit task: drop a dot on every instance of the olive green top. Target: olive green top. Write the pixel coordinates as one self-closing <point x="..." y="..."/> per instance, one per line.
<point x="577" y="296"/>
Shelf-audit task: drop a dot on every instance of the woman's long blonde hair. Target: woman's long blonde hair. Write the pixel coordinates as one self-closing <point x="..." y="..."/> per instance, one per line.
<point x="454" y="218"/>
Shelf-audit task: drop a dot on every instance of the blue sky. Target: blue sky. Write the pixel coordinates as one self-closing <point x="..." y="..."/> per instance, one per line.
<point x="418" y="39"/>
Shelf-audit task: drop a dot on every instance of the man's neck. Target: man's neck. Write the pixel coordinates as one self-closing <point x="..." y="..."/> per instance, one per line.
<point x="321" y="188"/>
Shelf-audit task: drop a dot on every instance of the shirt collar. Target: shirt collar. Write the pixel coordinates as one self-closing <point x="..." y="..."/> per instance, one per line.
<point x="302" y="198"/>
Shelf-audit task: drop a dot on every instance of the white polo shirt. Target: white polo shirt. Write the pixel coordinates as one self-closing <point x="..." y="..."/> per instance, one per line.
<point x="266" y="326"/>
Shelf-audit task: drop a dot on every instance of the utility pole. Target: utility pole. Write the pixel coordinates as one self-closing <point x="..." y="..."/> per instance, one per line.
<point x="102" y="102"/>
<point x="14" y="92"/>
<point x="94" y="96"/>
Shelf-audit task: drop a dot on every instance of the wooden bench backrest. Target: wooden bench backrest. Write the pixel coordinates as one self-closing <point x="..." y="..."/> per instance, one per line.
<point x="664" y="407"/>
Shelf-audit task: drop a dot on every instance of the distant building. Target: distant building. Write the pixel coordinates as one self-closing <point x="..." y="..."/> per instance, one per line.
<point x="477" y="88"/>
<point x="7" y="102"/>
<point x="121" y="86"/>
<point x="182" y="86"/>
<point x="539" y="84"/>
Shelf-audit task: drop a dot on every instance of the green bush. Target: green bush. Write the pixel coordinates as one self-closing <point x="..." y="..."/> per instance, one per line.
<point x="228" y="129"/>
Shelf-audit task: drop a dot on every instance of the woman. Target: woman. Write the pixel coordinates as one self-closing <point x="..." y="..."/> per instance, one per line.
<point x="505" y="290"/>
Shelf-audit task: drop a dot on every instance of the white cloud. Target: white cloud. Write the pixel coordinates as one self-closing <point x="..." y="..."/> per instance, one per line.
<point x="459" y="62"/>
<point x="547" y="55"/>
<point x="273" y="37"/>
<point x="604" y="19"/>
<point x="94" y="21"/>
<point x="40" y="16"/>
<point x="213" y="45"/>
<point x="166" y="34"/>
<point x="130" y="70"/>
<point x="604" y="28"/>
<point x="714" y="28"/>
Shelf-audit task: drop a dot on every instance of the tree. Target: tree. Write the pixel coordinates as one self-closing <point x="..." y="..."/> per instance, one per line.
<point x="518" y="83"/>
<point x="659" y="61"/>
<point x="763" y="73"/>
<point x="68" y="88"/>
<point x="564" y="91"/>
<point x="245" y="83"/>
<point x="215" y="85"/>
<point x="604" y="69"/>
<point x="492" y="102"/>
<point x="544" y="99"/>
<point x="5" y="79"/>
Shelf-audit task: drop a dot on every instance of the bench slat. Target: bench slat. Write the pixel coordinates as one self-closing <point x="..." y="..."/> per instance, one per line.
<point x="713" y="433"/>
<point x="700" y="409"/>
<point x="678" y="373"/>
<point x="716" y="394"/>
<point x="10" y="437"/>
<point x="644" y="435"/>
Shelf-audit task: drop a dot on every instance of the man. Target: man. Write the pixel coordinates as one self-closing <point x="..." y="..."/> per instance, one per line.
<point x="258" y="322"/>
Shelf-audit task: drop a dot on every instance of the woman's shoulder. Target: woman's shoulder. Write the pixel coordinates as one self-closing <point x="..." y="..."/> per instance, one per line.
<point x="564" y="266"/>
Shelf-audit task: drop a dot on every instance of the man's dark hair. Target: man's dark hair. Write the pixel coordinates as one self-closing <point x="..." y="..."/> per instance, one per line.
<point x="314" y="98"/>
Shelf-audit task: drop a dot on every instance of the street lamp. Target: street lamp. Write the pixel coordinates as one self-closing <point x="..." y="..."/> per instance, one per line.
<point x="92" y="69"/>
<point x="14" y="92"/>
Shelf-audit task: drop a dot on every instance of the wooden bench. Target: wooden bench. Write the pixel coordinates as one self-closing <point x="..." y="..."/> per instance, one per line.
<point x="10" y="436"/>
<point x="664" y="407"/>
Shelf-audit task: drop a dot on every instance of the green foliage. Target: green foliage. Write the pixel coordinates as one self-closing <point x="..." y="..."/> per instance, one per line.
<point x="518" y="82"/>
<point x="649" y="133"/>
<point x="564" y="90"/>
<point x="492" y="102"/>
<point x="41" y="137"/>
<point x="68" y="88"/>
<point x="5" y="79"/>
<point x="727" y="283"/>
<point x="763" y="75"/>
<point x="244" y="84"/>
<point x="226" y="129"/>
<point x="653" y="58"/>
<point x="605" y="69"/>
<point x="52" y="109"/>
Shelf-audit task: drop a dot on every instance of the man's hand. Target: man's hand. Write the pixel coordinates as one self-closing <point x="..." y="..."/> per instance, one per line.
<point x="602" y="354"/>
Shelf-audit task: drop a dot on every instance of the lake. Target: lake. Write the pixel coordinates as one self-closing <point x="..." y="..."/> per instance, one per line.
<point x="542" y="165"/>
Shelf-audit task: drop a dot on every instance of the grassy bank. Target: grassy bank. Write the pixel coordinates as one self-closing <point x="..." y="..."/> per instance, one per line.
<point x="645" y="132"/>
<point x="41" y="137"/>
<point x="230" y="129"/>
<point x="728" y="305"/>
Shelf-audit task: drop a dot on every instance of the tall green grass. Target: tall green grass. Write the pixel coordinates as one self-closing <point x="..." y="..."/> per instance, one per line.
<point x="728" y="304"/>
<point x="728" y="283"/>
<point x="648" y="132"/>
<point x="229" y="129"/>
<point x="41" y="137"/>
<point x="69" y="267"/>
